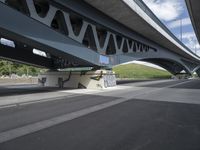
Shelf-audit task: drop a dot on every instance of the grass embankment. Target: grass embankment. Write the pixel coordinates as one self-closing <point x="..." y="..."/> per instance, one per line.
<point x="137" y="71"/>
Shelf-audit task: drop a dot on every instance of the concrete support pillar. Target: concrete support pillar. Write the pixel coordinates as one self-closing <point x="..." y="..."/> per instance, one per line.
<point x="198" y="72"/>
<point x="98" y="79"/>
<point x="182" y="76"/>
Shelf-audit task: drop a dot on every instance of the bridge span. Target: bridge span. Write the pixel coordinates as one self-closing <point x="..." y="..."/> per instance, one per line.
<point x="89" y="33"/>
<point x="194" y="9"/>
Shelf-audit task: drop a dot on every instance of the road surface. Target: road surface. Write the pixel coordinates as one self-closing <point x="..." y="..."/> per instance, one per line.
<point x="152" y="115"/>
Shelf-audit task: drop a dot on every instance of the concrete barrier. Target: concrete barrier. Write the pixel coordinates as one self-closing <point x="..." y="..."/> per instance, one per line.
<point x="99" y="79"/>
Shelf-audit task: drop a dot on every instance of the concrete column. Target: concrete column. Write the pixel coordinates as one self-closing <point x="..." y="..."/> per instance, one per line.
<point x="198" y="72"/>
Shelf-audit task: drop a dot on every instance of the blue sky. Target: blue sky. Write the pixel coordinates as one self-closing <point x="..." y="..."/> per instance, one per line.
<point x="172" y="13"/>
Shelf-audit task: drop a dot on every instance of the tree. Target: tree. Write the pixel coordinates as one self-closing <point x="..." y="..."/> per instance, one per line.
<point x="8" y="67"/>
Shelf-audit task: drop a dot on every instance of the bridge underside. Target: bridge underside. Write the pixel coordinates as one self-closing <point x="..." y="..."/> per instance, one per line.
<point x="72" y="40"/>
<point x="23" y="53"/>
<point x="172" y="66"/>
<point x="194" y="11"/>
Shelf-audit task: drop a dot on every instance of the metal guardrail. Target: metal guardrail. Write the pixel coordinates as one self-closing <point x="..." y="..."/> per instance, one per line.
<point x="147" y="10"/>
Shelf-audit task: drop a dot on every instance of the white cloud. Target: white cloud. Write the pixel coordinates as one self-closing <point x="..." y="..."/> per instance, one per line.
<point x="179" y="22"/>
<point x="192" y="42"/>
<point x="170" y="11"/>
<point x="188" y="35"/>
<point x="166" y="10"/>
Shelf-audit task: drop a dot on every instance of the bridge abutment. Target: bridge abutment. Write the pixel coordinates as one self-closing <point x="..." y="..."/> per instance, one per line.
<point x="99" y="79"/>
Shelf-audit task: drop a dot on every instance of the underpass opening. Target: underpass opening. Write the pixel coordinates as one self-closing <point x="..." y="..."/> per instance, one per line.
<point x="17" y="78"/>
<point x="22" y="53"/>
<point x="140" y="70"/>
<point x="172" y="66"/>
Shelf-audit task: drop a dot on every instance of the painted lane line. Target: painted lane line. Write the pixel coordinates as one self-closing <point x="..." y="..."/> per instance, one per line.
<point x="37" y="101"/>
<point x="179" y="83"/>
<point x="72" y="93"/>
<point x="22" y="131"/>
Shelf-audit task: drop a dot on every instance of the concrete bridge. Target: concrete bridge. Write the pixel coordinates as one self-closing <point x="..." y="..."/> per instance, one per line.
<point x="194" y="9"/>
<point x="89" y="33"/>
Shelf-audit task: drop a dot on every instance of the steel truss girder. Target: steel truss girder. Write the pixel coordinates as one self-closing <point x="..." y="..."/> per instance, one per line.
<point x="22" y="28"/>
<point x="132" y="45"/>
<point x="70" y="47"/>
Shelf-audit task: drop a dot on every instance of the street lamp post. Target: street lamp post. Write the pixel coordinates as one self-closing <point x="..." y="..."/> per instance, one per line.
<point x="196" y="46"/>
<point x="181" y="30"/>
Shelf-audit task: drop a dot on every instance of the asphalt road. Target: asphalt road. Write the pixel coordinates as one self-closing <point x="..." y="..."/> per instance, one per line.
<point x="155" y="116"/>
<point x="23" y="89"/>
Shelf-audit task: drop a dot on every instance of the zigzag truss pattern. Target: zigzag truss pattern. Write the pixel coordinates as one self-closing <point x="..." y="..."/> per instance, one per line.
<point x="94" y="37"/>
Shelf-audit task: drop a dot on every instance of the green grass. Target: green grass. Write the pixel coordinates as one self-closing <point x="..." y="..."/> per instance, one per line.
<point x="137" y="71"/>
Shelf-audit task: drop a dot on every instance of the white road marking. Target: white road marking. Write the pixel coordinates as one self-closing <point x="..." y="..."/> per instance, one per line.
<point x="170" y="86"/>
<point x="21" y="131"/>
<point x="15" y="104"/>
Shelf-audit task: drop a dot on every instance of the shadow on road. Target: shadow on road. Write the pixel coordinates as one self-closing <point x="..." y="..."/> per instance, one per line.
<point x="11" y="90"/>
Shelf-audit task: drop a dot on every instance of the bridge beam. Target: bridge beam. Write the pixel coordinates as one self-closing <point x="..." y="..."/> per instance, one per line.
<point x="17" y="26"/>
<point x="25" y="55"/>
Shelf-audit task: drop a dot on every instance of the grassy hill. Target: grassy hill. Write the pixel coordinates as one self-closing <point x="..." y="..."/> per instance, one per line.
<point x="137" y="71"/>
